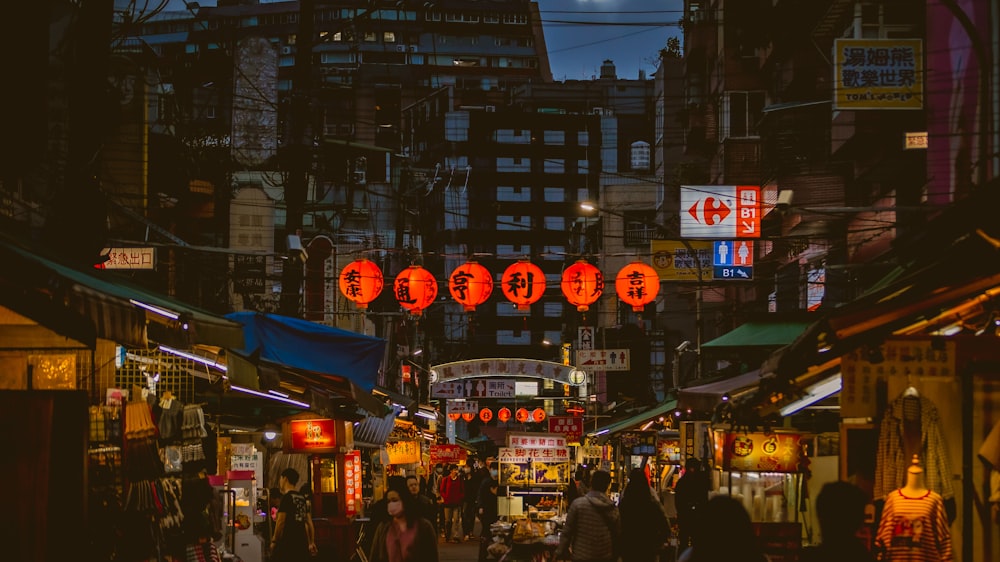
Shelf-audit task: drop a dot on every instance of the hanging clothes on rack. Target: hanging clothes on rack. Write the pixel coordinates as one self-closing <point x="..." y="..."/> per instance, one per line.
<point x="912" y="426"/>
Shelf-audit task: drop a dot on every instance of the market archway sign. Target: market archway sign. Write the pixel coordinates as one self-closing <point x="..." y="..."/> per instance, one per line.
<point x="504" y="368"/>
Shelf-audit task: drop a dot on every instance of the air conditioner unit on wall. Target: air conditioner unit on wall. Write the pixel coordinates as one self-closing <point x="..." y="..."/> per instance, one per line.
<point x="491" y="108"/>
<point x="286" y="50"/>
<point x="413" y="49"/>
<point x="400" y="48"/>
<point x="598" y="111"/>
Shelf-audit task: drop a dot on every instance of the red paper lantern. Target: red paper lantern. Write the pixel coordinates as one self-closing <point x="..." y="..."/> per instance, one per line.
<point x="538" y="415"/>
<point x="503" y="414"/>
<point x="637" y="284"/>
<point x="470" y="285"/>
<point x="415" y="289"/>
<point x="468" y="416"/>
<point x="454" y="416"/>
<point x="522" y="415"/>
<point x="582" y="283"/>
<point x="523" y="284"/>
<point x="361" y="281"/>
<point x="485" y="415"/>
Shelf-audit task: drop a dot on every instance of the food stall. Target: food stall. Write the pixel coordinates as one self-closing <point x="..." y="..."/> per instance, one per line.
<point x="535" y="469"/>
<point x="335" y="477"/>
<point x="762" y="470"/>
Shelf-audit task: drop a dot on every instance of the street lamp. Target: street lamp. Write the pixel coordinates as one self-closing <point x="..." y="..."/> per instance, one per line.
<point x="590" y="207"/>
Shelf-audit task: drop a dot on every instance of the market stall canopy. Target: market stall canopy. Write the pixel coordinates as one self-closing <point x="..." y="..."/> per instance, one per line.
<point x="705" y="397"/>
<point x="662" y="409"/>
<point x="86" y="305"/>
<point x="759" y="334"/>
<point x="340" y="361"/>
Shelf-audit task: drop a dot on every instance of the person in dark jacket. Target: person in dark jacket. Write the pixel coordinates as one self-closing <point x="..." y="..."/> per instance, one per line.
<point x="488" y="514"/>
<point x="840" y="507"/>
<point x="690" y="495"/>
<point x="425" y="505"/>
<point x="723" y="532"/>
<point x="593" y="525"/>
<point x="644" y="522"/>
<point x="473" y="481"/>
<point x="378" y="511"/>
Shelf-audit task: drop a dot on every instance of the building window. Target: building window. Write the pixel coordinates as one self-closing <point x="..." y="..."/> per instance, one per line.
<point x="389" y="36"/>
<point x="555" y="223"/>
<point x="370" y="37"/>
<point x="554" y="253"/>
<point x="512" y="136"/>
<point x="518" y="19"/>
<point x="555" y="138"/>
<point x="555" y="166"/>
<point x="555" y="194"/>
<point x="639" y="229"/>
<point x="741" y="111"/>
<point x="511" y="222"/>
<point x="640" y="155"/>
<point x="518" y="194"/>
<point x="582" y="138"/>
<point x="513" y="164"/>
<point x="432" y="16"/>
<point x="553" y="309"/>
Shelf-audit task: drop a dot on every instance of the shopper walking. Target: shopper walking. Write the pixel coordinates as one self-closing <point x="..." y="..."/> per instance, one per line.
<point x="473" y="481"/>
<point x="840" y="507"/>
<point x="406" y="536"/>
<point x="593" y="526"/>
<point x="434" y="485"/>
<point x="488" y="514"/>
<point x="425" y="505"/>
<point x="690" y="495"/>
<point x="645" y="528"/>
<point x="294" y="537"/>
<point x="452" y="497"/>
<point x="723" y="532"/>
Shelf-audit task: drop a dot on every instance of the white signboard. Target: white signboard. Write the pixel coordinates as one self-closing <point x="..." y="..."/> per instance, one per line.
<point x="542" y="454"/>
<point x="254" y="462"/>
<point x="585" y="337"/>
<point x="720" y="211"/>
<point x="448" y="390"/>
<point x="602" y="359"/>
<point x="129" y="258"/>
<point x="533" y="440"/>
<point x="463" y="407"/>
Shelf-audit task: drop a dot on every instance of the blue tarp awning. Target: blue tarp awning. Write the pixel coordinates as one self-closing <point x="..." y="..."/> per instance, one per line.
<point x="308" y="346"/>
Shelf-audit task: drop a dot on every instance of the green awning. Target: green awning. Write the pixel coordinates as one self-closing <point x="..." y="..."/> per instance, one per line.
<point x="655" y="412"/>
<point x="759" y="334"/>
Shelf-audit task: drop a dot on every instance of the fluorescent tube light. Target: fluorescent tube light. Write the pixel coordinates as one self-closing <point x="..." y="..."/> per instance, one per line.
<point x="161" y="311"/>
<point x="814" y="394"/>
<point x="426" y="415"/>
<point x="193" y="357"/>
<point x="270" y="396"/>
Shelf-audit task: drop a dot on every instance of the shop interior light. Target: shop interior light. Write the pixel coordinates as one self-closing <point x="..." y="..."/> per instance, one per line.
<point x="276" y="393"/>
<point x="426" y="415"/>
<point x="192" y="357"/>
<point x="599" y="433"/>
<point x="270" y="396"/>
<point x="823" y="389"/>
<point x="155" y="309"/>
<point x="647" y="425"/>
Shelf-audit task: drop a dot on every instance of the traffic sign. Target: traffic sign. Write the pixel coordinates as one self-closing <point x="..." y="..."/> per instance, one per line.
<point x="720" y="211"/>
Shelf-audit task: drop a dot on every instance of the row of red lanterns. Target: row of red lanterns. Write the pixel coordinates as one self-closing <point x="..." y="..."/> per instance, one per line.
<point x="503" y="414"/>
<point x="523" y="283"/>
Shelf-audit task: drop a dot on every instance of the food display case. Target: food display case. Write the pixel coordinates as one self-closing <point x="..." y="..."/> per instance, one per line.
<point x="247" y="521"/>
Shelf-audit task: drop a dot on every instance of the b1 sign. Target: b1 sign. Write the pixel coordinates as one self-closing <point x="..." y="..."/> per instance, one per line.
<point x="720" y="211"/>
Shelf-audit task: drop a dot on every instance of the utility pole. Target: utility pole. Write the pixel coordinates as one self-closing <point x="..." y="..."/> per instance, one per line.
<point x="298" y="158"/>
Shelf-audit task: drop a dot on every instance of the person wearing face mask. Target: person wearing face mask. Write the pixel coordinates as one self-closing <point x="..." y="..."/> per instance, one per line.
<point x="405" y="536"/>
<point x="434" y="486"/>
<point x="473" y="482"/>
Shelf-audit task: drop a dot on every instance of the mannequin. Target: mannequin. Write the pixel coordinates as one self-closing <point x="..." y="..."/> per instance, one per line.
<point x="915" y="487"/>
<point x="914" y="526"/>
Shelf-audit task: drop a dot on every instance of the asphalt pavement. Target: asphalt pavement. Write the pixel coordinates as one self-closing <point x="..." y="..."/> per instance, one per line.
<point x="465" y="551"/>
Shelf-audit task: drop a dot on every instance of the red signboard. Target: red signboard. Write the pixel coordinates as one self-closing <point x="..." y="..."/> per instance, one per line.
<point x="757" y="452"/>
<point x="451" y="454"/>
<point x="569" y="426"/>
<point x="352" y="481"/>
<point x="313" y="435"/>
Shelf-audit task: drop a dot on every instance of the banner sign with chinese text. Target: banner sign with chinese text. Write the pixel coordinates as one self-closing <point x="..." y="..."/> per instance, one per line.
<point x="569" y="427"/>
<point x="352" y="481"/>
<point x="449" y="454"/>
<point x="522" y="455"/>
<point x="403" y="452"/>
<point x="878" y="74"/>
<point x="534" y="440"/>
<point x="319" y="435"/>
<point x="668" y="450"/>
<point x="497" y="367"/>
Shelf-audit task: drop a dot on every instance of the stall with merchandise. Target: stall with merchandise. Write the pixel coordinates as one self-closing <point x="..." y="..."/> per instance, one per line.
<point x="763" y="472"/>
<point x="535" y="469"/>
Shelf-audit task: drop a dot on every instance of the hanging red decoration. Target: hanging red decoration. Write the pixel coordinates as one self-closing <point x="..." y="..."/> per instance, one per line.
<point x="468" y="416"/>
<point x="454" y="416"/>
<point x="582" y="283"/>
<point x="523" y="284"/>
<point x="522" y="415"/>
<point x="470" y="285"/>
<point x="503" y="414"/>
<point x="637" y="284"/>
<point x="415" y="289"/>
<point x="485" y="415"/>
<point x="538" y="415"/>
<point x="361" y="281"/>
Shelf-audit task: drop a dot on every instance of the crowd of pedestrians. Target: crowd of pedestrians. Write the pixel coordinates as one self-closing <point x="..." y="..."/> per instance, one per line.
<point x="417" y="513"/>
